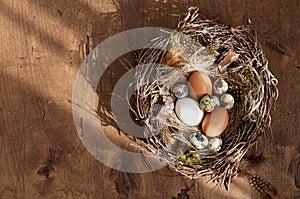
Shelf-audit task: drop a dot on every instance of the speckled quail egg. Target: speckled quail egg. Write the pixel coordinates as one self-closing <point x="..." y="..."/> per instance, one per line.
<point x="168" y="106"/>
<point x="216" y="101"/>
<point x="180" y="90"/>
<point x="207" y="103"/>
<point x="199" y="140"/>
<point x="220" y="86"/>
<point x="215" y="144"/>
<point x="227" y="101"/>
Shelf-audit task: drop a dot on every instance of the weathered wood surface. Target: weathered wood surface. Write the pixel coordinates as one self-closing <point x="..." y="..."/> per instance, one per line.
<point x="42" y="46"/>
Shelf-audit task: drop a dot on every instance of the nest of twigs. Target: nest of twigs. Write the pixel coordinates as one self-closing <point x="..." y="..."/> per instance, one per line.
<point x="202" y="45"/>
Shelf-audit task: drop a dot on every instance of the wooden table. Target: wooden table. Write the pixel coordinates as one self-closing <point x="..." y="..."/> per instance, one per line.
<point x="43" y="44"/>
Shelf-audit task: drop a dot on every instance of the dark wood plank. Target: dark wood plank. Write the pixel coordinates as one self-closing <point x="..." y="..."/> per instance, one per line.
<point x="42" y="46"/>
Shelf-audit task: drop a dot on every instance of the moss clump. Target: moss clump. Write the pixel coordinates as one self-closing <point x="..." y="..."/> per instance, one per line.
<point x="191" y="159"/>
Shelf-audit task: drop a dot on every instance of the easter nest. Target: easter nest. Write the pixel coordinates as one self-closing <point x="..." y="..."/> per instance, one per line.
<point x="219" y="51"/>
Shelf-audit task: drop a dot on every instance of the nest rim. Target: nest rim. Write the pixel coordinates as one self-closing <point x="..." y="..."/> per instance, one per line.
<point x="222" y="167"/>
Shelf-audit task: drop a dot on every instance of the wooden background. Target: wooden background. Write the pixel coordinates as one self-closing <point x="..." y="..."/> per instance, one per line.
<point x="43" y="43"/>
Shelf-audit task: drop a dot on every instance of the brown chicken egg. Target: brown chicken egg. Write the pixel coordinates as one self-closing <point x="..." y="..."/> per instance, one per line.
<point x="215" y="123"/>
<point x="200" y="85"/>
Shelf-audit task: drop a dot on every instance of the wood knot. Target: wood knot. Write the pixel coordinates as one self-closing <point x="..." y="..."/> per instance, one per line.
<point x="47" y="170"/>
<point x="182" y="195"/>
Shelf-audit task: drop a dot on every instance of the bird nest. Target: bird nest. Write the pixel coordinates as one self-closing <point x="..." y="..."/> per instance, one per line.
<point x="222" y="53"/>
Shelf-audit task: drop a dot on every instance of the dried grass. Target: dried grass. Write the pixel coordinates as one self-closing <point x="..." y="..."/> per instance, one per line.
<point x="200" y="45"/>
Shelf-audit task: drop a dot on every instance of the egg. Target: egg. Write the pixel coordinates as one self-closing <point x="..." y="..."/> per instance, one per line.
<point x="159" y="112"/>
<point x="227" y="101"/>
<point x="166" y="110"/>
<point x="180" y="90"/>
<point x="215" y="144"/>
<point x="199" y="85"/>
<point x="199" y="140"/>
<point x="220" y="86"/>
<point x="188" y="111"/>
<point x="168" y="105"/>
<point x="207" y="103"/>
<point x="168" y="100"/>
<point x="216" y="101"/>
<point x="215" y="123"/>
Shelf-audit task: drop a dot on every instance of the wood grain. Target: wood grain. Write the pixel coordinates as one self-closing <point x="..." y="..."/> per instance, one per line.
<point x="43" y="43"/>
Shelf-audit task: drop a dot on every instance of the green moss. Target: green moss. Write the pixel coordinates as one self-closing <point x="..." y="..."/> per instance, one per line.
<point x="191" y="159"/>
<point x="252" y="77"/>
<point x="243" y="79"/>
<point x="254" y="90"/>
<point x="214" y="54"/>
